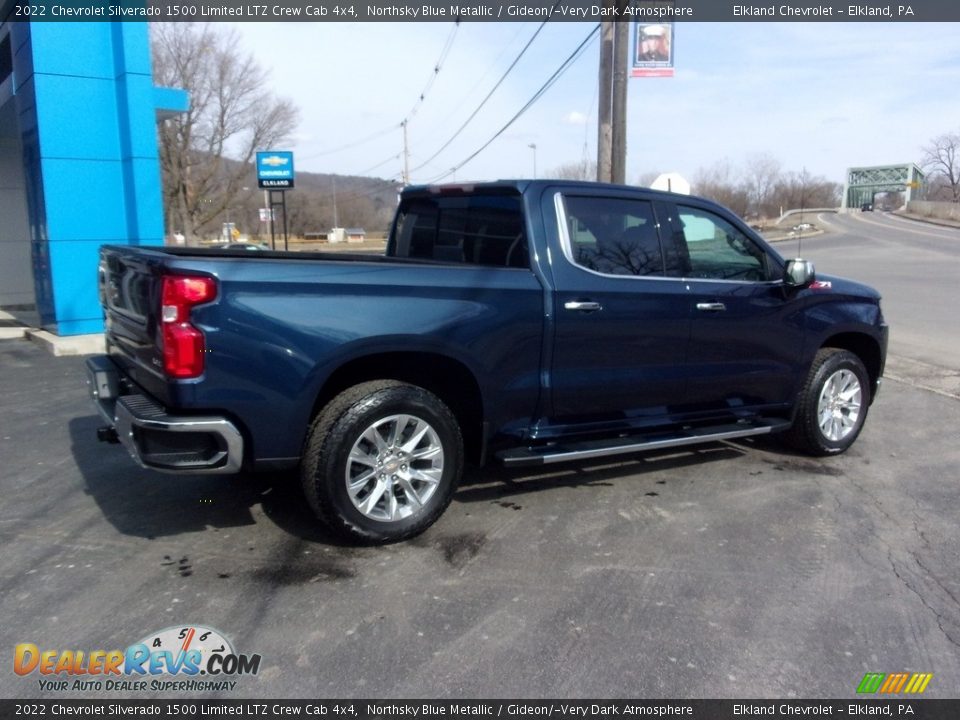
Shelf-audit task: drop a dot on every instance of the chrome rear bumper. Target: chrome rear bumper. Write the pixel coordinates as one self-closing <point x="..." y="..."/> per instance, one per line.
<point x="155" y="438"/>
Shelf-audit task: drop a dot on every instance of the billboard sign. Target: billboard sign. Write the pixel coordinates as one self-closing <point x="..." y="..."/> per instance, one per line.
<point x="652" y="50"/>
<point x="275" y="169"/>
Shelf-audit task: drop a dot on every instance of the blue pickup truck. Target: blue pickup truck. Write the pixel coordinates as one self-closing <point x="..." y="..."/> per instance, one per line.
<point x="526" y="322"/>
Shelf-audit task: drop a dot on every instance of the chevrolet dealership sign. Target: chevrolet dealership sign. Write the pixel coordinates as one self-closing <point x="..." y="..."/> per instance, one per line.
<point x="275" y="169"/>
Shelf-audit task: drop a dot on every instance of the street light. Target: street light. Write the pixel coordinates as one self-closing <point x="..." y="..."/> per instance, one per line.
<point x="533" y="146"/>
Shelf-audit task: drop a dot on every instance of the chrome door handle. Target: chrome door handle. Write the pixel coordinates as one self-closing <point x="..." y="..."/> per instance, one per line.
<point x="582" y="305"/>
<point x="711" y="307"/>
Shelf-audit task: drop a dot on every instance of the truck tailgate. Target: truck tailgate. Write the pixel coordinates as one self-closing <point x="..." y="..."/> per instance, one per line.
<point x="129" y="284"/>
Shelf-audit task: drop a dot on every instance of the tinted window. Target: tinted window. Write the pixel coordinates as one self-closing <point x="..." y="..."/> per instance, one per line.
<point x="715" y="249"/>
<point x="614" y="236"/>
<point x="477" y="230"/>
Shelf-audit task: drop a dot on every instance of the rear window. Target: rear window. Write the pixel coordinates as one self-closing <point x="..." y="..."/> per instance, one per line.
<point x="614" y="236"/>
<point x="473" y="230"/>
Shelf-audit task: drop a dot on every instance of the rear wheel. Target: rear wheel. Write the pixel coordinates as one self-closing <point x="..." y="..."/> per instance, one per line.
<point x="833" y="404"/>
<point x="382" y="461"/>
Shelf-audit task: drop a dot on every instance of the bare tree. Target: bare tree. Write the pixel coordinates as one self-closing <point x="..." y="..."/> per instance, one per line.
<point x="762" y="173"/>
<point x="718" y="182"/>
<point x="645" y="179"/>
<point x="802" y="190"/>
<point x="232" y="115"/>
<point x="941" y="158"/>
<point x="583" y="170"/>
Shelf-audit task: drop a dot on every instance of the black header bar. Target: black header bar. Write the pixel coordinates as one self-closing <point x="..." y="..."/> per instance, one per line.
<point x="477" y="11"/>
<point x="903" y="707"/>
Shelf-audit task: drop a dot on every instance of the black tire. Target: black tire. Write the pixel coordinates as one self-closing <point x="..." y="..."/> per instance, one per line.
<point x="385" y="507"/>
<point x="842" y="428"/>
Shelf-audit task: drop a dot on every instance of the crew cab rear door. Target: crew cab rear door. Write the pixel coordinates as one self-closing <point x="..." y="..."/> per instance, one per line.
<point x="621" y="323"/>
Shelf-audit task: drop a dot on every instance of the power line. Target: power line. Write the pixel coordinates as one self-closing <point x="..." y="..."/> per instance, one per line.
<point x="437" y="66"/>
<point x="448" y="45"/>
<point x="395" y="156"/>
<point x="350" y="145"/>
<point x="489" y="69"/>
<point x="404" y="124"/>
<point x="483" y="102"/>
<point x="564" y="66"/>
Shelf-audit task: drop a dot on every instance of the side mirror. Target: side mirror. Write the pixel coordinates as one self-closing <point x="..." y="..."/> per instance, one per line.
<point x="799" y="273"/>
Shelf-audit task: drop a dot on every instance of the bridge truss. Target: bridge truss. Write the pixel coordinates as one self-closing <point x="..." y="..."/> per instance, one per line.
<point x="865" y="182"/>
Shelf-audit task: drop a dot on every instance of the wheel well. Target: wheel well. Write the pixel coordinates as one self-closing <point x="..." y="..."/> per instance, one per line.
<point x="448" y="379"/>
<point x="864" y="347"/>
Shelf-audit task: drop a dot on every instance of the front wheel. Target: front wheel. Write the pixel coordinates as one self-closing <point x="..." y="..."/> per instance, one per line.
<point x="833" y="404"/>
<point x="382" y="461"/>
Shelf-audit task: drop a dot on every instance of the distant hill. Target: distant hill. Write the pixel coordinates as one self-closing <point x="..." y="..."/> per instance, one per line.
<point x="364" y="202"/>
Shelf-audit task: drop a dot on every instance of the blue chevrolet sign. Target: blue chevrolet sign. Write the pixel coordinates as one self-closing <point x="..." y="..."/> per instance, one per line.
<point x="275" y="169"/>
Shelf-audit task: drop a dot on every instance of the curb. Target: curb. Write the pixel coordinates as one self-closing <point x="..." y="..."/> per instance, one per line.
<point x="69" y="345"/>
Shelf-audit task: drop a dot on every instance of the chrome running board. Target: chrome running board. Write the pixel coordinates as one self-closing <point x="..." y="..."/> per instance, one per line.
<point x="586" y="450"/>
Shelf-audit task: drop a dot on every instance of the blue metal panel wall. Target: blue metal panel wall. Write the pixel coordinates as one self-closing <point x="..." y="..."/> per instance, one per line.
<point x="87" y="112"/>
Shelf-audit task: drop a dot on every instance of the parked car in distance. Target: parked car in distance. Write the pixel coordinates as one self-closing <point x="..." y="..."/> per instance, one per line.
<point x="242" y="246"/>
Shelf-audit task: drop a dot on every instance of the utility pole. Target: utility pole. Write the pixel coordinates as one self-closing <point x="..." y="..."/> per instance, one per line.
<point x="612" y="106"/>
<point x="604" y="102"/>
<point x="406" y="155"/>
<point x="618" y="159"/>
<point x="336" y="220"/>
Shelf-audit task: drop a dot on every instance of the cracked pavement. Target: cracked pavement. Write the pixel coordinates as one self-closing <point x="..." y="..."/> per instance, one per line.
<point x="729" y="570"/>
<point x="733" y="570"/>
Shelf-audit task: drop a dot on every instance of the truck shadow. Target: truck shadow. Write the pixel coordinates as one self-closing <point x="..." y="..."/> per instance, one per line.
<point x="496" y="482"/>
<point x="144" y="503"/>
<point x="149" y="504"/>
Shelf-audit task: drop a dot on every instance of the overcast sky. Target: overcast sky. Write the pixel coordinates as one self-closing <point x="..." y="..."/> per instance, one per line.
<point x="824" y="96"/>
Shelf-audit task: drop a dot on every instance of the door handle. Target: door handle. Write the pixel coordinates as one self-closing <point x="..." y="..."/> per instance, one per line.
<point x="711" y="307"/>
<point x="583" y="305"/>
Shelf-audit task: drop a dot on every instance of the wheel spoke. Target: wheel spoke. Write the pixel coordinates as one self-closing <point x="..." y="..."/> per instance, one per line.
<point x="413" y="497"/>
<point x="399" y="424"/>
<point x="373" y="436"/>
<point x="360" y="482"/>
<point x="371" y="500"/>
<point x="358" y="455"/>
<point x="419" y="430"/>
<point x="392" y="505"/>
<point x="430" y="476"/>
<point x="427" y="453"/>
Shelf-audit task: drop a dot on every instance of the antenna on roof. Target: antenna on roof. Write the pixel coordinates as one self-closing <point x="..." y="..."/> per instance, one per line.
<point x="803" y="200"/>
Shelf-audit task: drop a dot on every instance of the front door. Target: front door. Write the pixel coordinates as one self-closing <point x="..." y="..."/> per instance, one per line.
<point x="746" y="338"/>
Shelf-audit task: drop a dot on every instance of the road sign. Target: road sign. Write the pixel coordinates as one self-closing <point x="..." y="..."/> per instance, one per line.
<point x="275" y="169"/>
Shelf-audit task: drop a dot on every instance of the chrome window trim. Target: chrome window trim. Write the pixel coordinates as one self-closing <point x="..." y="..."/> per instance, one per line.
<point x="566" y="245"/>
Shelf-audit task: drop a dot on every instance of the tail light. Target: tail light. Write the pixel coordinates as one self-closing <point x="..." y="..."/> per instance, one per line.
<point x="182" y="344"/>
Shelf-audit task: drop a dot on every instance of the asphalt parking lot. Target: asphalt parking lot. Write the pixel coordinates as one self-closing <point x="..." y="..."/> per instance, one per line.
<point x="731" y="570"/>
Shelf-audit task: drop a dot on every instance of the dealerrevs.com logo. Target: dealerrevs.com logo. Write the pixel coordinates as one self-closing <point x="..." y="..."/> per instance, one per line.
<point x="176" y="659"/>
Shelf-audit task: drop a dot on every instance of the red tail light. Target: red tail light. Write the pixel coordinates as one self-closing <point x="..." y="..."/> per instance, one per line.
<point x="182" y="344"/>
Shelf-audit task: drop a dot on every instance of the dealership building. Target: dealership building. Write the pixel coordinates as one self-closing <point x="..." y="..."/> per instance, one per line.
<point x="79" y="165"/>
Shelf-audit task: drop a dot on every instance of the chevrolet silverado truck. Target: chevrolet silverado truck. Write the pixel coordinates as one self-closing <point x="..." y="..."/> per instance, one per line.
<point x="524" y="322"/>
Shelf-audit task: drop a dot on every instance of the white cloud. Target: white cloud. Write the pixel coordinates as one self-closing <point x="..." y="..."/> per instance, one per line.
<point x="575" y="118"/>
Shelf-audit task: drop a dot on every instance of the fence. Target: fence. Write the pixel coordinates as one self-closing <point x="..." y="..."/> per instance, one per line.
<point x="939" y="210"/>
